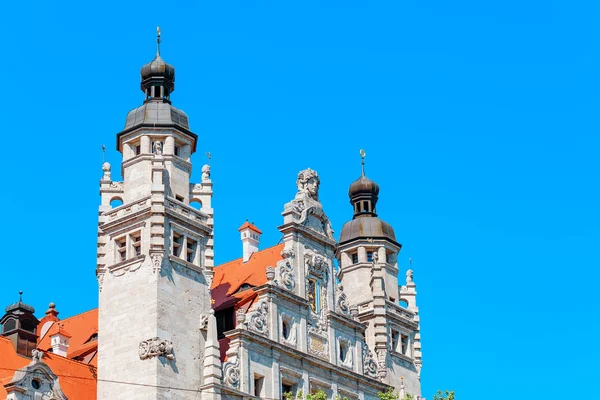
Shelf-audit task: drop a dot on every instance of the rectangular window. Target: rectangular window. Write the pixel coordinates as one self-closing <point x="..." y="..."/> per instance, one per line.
<point x="224" y="321"/>
<point x="369" y="256"/>
<point x="177" y="244"/>
<point x="258" y="385"/>
<point x="355" y="258"/>
<point x="287" y="388"/>
<point x="138" y="150"/>
<point x="404" y="349"/>
<point x="179" y="198"/>
<point x="136" y="244"/>
<point x="395" y="340"/>
<point x="191" y="250"/>
<point x="177" y="151"/>
<point x="121" y="246"/>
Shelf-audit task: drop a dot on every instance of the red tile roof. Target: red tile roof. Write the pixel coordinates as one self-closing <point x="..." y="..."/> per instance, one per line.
<point x="229" y="277"/>
<point x="77" y="380"/>
<point x="80" y="327"/>
<point x="249" y="226"/>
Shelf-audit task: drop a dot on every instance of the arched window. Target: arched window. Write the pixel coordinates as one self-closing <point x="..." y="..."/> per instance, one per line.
<point x="9" y="325"/>
<point x="116" y="202"/>
<point x="195" y="203"/>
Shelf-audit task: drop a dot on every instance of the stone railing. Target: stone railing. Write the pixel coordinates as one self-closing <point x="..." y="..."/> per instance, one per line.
<point x="126" y="209"/>
<point x="184" y="209"/>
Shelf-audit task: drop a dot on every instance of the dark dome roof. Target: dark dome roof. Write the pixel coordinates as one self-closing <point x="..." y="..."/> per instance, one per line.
<point x="156" y="113"/>
<point x="158" y="68"/>
<point x="20" y="305"/>
<point x="363" y="185"/>
<point x="367" y="227"/>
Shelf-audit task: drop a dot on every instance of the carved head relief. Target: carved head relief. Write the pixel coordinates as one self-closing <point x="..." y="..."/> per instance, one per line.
<point x="308" y="183"/>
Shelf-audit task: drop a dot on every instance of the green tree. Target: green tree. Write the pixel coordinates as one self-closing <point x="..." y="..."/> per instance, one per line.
<point x="445" y="395"/>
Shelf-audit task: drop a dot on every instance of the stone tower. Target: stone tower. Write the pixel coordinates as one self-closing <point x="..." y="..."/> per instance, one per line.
<point x="155" y="253"/>
<point x="368" y="270"/>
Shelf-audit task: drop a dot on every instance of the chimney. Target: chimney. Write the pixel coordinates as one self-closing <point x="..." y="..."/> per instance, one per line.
<point x="250" y="236"/>
<point x="59" y="339"/>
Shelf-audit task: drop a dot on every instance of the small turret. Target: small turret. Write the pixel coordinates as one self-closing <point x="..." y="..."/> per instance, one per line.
<point x="20" y="326"/>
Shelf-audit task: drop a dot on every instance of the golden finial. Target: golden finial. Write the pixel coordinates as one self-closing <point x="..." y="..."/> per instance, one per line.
<point x="158" y="40"/>
<point x="362" y="156"/>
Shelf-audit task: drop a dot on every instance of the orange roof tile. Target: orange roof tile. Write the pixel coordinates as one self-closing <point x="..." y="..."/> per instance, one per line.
<point x="77" y="380"/>
<point x="58" y="328"/>
<point x="80" y="327"/>
<point x="249" y="226"/>
<point x="229" y="277"/>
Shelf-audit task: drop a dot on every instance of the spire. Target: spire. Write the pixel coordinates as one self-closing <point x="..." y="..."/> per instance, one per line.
<point x="362" y="162"/>
<point x="158" y="77"/>
<point x="158" y="41"/>
<point x="363" y="192"/>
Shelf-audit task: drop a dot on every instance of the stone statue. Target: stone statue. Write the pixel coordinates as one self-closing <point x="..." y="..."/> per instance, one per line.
<point x="409" y="276"/>
<point x="36" y="355"/>
<point x="158" y="148"/>
<point x="206" y="173"/>
<point x="308" y="184"/>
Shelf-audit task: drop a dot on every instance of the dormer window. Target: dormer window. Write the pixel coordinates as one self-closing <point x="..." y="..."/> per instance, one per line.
<point x="9" y="325"/>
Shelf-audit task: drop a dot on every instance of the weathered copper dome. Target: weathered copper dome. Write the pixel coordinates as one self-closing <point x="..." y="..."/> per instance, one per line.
<point x="363" y="185"/>
<point x="369" y="227"/>
<point x="158" y="68"/>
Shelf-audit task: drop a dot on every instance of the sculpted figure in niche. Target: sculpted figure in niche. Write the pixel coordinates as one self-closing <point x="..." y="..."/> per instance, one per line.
<point x="158" y="148"/>
<point x="308" y="184"/>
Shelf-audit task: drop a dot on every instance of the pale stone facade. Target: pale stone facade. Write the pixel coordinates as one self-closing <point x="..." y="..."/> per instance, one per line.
<point x="310" y="327"/>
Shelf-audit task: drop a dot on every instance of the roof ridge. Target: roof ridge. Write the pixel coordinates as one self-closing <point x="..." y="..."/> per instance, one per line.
<point x="253" y="254"/>
<point x="77" y="315"/>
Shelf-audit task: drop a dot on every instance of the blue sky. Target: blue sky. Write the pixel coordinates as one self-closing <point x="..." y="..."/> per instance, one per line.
<point x="479" y="120"/>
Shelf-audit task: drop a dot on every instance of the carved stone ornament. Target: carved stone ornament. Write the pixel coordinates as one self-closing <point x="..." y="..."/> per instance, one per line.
<point x="36" y="380"/>
<point x="409" y="276"/>
<point x="286" y="270"/>
<point x="341" y="301"/>
<point x="348" y="358"/>
<point x="206" y="173"/>
<point x="156" y="347"/>
<point x="381" y="364"/>
<point x="308" y="184"/>
<point x="307" y="203"/>
<point x="158" y="148"/>
<point x="106" y="171"/>
<point x="270" y="273"/>
<point x="118" y="185"/>
<point x="231" y="373"/>
<point x="257" y="320"/>
<point x="100" y="275"/>
<point x="291" y="324"/>
<point x="369" y="363"/>
<point x="157" y="259"/>
<point x="317" y="265"/>
<point x="240" y="318"/>
<point x="204" y="322"/>
<point x="318" y="323"/>
<point x="36" y="356"/>
<point x="318" y="346"/>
